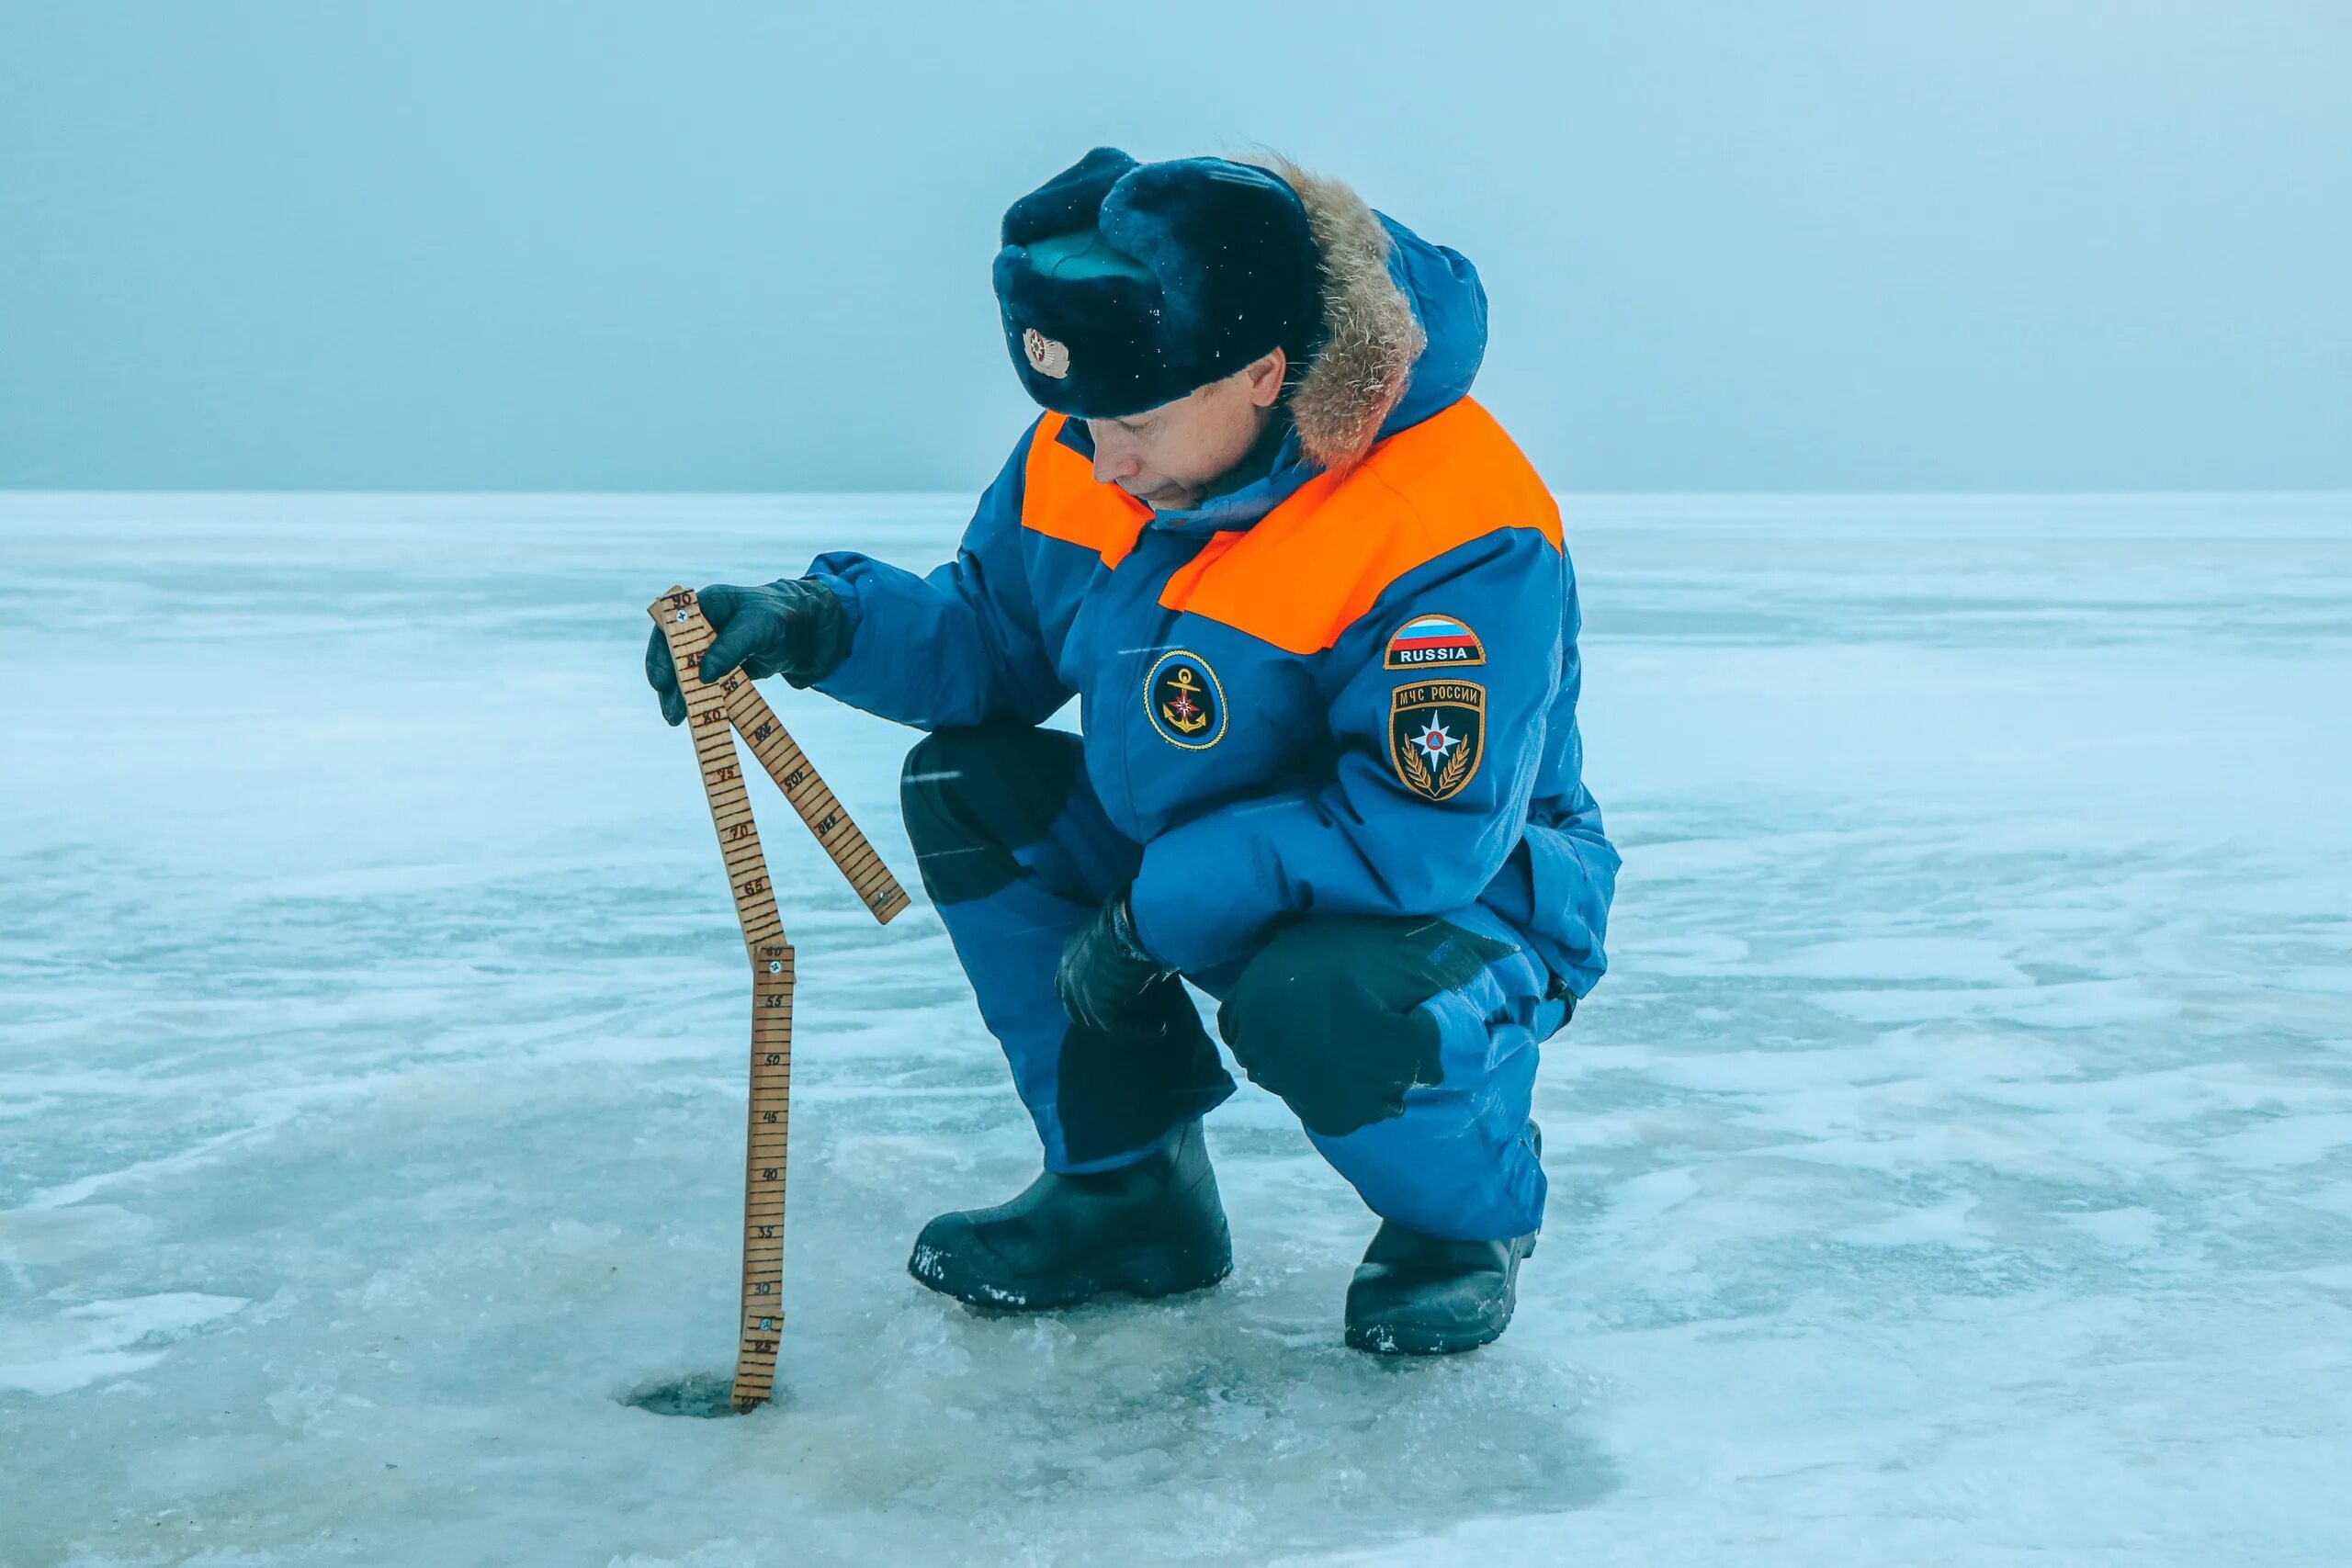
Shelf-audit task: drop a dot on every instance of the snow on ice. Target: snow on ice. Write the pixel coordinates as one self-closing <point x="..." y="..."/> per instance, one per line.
<point x="1956" y="1166"/>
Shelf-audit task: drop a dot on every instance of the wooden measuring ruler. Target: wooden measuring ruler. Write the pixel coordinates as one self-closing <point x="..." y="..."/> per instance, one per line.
<point x="713" y="709"/>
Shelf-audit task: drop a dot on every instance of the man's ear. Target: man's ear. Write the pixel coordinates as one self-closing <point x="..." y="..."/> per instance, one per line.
<point x="1265" y="378"/>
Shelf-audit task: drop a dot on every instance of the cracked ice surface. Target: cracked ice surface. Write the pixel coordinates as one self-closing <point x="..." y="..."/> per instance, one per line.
<point x="1956" y="1167"/>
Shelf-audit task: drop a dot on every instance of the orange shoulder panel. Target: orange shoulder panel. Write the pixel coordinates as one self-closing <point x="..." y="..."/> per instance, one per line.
<point x="1313" y="565"/>
<point x="1061" y="500"/>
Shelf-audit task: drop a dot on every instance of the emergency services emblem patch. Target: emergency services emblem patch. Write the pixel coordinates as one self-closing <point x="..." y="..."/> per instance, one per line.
<point x="1427" y="641"/>
<point x="1437" y="736"/>
<point x="1183" y="701"/>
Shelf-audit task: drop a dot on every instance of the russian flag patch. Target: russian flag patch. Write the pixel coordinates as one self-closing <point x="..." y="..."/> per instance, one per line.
<point x="1428" y="642"/>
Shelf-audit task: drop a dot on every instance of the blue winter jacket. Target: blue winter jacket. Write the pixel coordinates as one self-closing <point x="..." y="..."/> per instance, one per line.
<point x="1420" y="756"/>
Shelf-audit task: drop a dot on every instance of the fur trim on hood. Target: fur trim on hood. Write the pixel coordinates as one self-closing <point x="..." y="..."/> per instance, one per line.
<point x="1371" y="336"/>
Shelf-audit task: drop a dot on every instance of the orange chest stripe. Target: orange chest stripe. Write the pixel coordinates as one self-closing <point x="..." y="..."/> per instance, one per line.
<point x="1315" y="564"/>
<point x="1181" y="582"/>
<point x="1061" y="500"/>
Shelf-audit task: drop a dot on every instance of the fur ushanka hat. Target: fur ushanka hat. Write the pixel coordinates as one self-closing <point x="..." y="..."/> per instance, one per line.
<point x="1125" y="285"/>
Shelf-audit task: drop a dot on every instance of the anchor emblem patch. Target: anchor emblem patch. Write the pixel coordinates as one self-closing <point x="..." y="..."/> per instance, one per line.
<point x="1183" y="701"/>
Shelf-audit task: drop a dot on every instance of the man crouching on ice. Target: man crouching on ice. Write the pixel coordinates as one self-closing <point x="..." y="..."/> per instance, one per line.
<point x="1316" y="609"/>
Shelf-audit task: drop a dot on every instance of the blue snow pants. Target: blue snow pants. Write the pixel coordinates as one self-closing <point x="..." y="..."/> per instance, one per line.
<point x="1405" y="1045"/>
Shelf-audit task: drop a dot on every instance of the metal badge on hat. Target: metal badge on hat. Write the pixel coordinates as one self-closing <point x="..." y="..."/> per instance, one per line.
<point x="1047" y="356"/>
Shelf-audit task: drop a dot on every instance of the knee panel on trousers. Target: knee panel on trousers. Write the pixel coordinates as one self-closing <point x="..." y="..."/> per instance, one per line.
<point x="972" y="796"/>
<point x="1328" y="1014"/>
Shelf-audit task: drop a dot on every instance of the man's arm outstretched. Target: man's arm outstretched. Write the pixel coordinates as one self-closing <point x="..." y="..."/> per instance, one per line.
<point x="957" y="646"/>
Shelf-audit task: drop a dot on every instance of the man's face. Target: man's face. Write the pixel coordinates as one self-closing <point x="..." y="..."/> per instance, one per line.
<point x="1168" y="456"/>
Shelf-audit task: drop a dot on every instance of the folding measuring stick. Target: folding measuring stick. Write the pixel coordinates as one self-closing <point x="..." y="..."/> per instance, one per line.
<point x="711" y="709"/>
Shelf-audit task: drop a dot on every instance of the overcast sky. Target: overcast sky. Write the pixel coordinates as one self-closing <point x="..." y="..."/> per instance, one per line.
<point x="1747" y="246"/>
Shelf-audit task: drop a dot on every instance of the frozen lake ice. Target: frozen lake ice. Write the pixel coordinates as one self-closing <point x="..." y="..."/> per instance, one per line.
<point x="1955" y="1167"/>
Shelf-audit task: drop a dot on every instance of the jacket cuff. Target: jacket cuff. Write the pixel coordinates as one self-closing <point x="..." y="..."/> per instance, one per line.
<point x="838" y="642"/>
<point x="1184" y="927"/>
<point x="1125" y="938"/>
<point x="823" y="639"/>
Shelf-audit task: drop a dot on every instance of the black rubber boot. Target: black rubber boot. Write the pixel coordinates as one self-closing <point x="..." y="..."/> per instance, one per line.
<point x="1152" y="1228"/>
<point x="1424" y="1295"/>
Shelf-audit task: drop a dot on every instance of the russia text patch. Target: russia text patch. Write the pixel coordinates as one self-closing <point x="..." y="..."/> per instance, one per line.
<point x="1433" y="641"/>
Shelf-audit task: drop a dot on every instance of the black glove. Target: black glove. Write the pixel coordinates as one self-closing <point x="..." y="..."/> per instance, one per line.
<point x="794" y="627"/>
<point x="1105" y="972"/>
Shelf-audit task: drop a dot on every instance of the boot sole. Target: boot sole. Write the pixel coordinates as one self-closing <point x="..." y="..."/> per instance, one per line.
<point x="1412" y="1339"/>
<point x="1384" y="1339"/>
<point x="1145" y="1275"/>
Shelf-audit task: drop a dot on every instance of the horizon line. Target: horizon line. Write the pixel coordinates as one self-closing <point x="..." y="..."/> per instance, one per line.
<point x="9" y="494"/>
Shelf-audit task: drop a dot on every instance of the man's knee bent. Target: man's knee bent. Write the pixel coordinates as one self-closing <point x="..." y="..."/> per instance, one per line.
<point x="1328" y="1014"/>
<point x="972" y="796"/>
